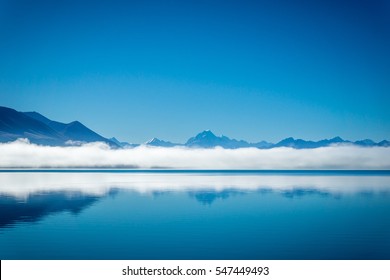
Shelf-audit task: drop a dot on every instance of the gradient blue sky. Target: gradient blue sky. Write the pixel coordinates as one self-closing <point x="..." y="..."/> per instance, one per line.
<point x="254" y="70"/>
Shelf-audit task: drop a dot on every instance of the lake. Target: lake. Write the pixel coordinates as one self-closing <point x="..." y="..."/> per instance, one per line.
<point x="165" y="214"/>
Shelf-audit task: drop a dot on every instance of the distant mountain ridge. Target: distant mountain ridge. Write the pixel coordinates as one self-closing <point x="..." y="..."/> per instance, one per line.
<point x="41" y="130"/>
<point x="303" y="144"/>
<point x="123" y="144"/>
<point x="161" y="143"/>
<point x="74" y="131"/>
<point x="207" y="139"/>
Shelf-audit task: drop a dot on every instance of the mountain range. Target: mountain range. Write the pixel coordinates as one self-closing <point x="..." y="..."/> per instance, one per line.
<point x="41" y="130"/>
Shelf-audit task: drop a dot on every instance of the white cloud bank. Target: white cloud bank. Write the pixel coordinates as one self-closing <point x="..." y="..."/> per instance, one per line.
<point x="22" y="154"/>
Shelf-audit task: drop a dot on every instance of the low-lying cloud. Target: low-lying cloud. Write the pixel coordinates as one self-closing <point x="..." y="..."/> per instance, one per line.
<point x="22" y="154"/>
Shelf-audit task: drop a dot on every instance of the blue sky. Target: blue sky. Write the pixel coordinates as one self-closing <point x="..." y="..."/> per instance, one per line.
<point x="254" y="70"/>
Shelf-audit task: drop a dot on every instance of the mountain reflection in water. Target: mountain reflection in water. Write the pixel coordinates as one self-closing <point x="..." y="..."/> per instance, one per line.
<point x="194" y="215"/>
<point x="29" y="197"/>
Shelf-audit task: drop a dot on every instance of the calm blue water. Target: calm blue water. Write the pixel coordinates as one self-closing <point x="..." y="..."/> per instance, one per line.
<point x="194" y="215"/>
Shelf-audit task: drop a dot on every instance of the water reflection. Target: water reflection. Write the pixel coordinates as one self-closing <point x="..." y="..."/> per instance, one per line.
<point x="38" y="205"/>
<point x="28" y="197"/>
<point x="207" y="197"/>
<point x="21" y="185"/>
<point x="161" y="215"/>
